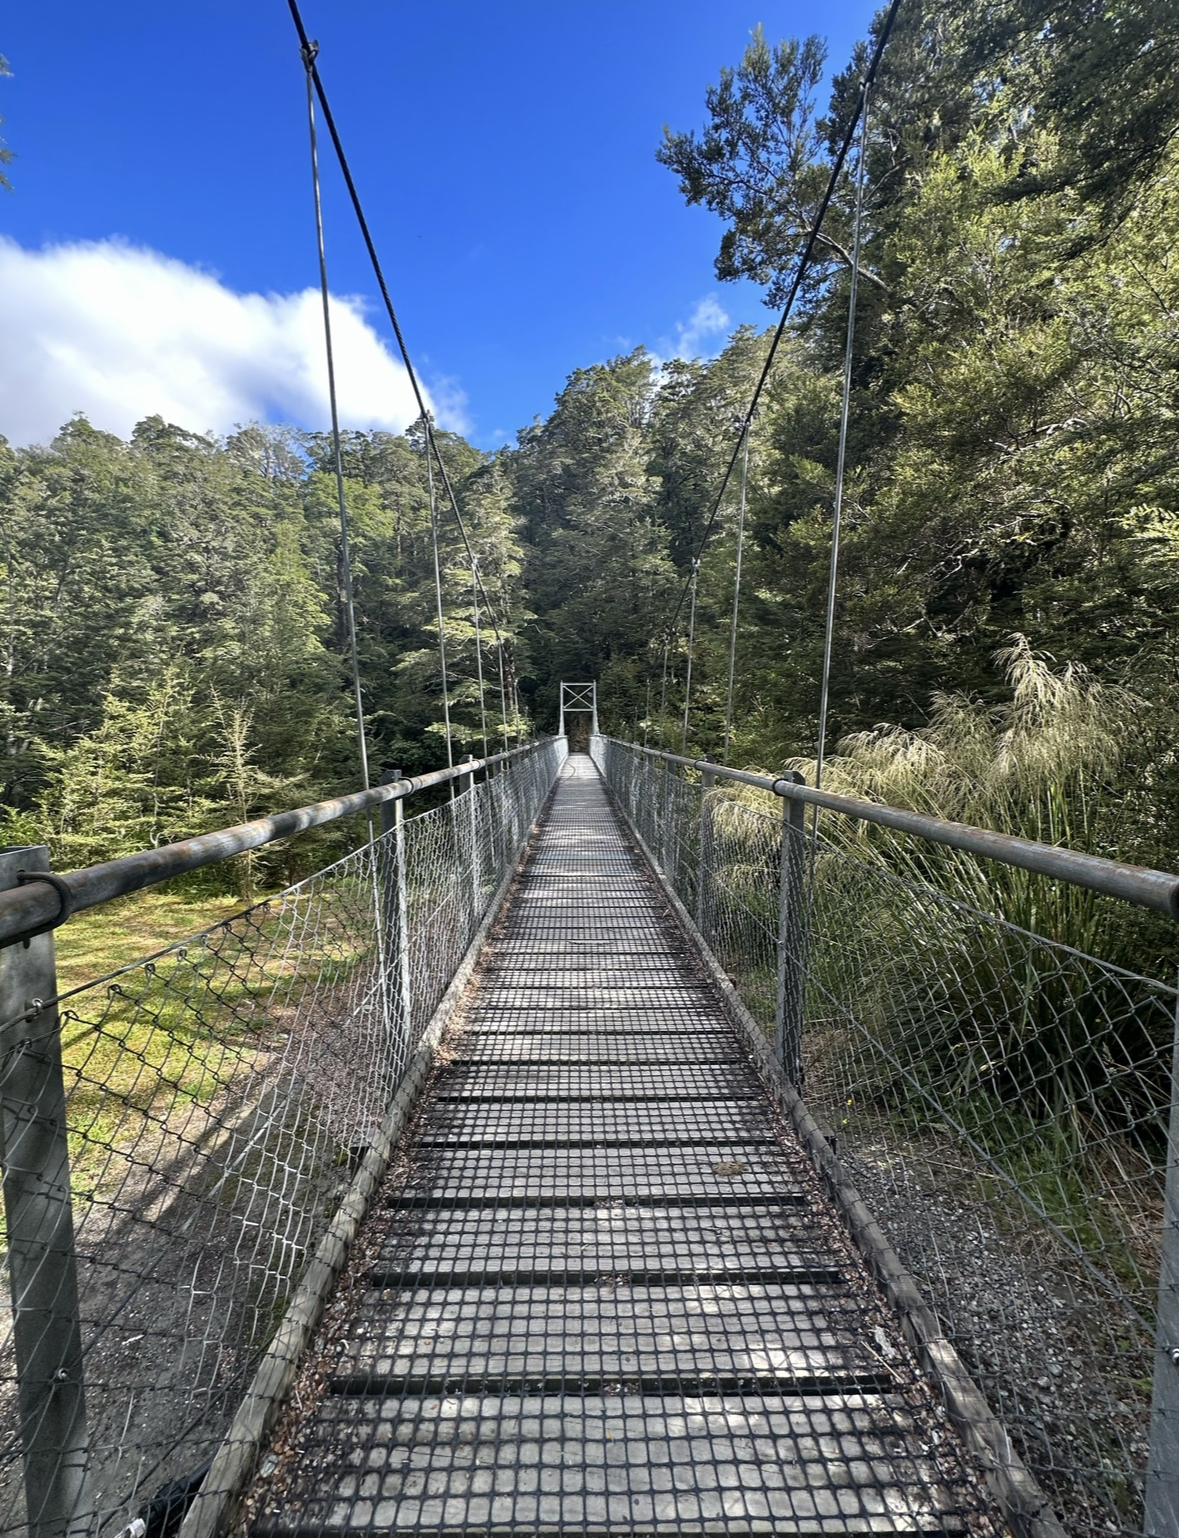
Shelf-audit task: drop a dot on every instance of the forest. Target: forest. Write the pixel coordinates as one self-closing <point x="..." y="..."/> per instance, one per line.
<point x="175" y="651"/>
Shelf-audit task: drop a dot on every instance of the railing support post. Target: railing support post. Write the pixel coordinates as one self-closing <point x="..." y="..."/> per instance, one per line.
<point x="397" y="907"/>
<point x="788" y="1010"/>
<point x="499" y="829"/>
<point x="42" y="1261"/>
<point x="704" y="857"/>
<point x="666" y="831"/>
<point x="467" y="784"/>
<point x="1162" y="1469"/>
<point x="511" y="804"/>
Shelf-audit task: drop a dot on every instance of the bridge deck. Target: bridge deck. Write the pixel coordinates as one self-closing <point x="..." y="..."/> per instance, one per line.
<point x="605" y="1294"/>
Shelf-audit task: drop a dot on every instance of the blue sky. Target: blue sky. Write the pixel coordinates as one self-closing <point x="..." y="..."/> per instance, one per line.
<point x="505" y="153"/>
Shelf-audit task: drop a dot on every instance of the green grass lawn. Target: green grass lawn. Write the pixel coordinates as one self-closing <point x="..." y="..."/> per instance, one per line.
<point x="137" y="1056"/>
<point x="101" y="939"/>
<point x="149" y="1054"/>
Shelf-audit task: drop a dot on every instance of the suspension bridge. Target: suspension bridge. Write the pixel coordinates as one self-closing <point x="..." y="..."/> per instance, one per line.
<point x="567" y="1160"/>
<point x="613" y="1143"/>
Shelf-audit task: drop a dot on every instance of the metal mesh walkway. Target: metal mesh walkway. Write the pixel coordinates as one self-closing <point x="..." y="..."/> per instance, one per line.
<point x="603" y="1293"/>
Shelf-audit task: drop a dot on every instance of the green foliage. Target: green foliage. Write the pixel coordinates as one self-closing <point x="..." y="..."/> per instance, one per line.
<point x="597" y="565"/>
<point x="759" y="163"/>
<point x="173" y="638"/>
<point x="1012" y="473"/>
<point x="1013" y="388"/>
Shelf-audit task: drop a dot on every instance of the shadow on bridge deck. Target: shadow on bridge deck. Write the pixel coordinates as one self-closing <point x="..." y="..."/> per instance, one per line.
<point x="603" y="1291"/>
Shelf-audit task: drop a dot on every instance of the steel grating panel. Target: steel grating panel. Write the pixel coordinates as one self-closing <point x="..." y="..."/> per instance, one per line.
<point x="616" y="993"/>
<point x="643" y="1015"/>
<point x="618" y="1333"/>
<point x="617" y="1464"/>
<point x="610" y="1239"/>
<point x="603" y="1293"/>
<point x="532" y="938"/>
<point x="550" y="1049"/>
<point x="712" y="1081"/>
<point x="717" y="1172"/>
<point x="635" y="1124"/>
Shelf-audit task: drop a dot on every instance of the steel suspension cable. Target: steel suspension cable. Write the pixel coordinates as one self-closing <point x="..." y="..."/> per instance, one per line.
<point x="438" y="603"/>
<point x="378" y="271"/>
<point x="796" y="284"/>
<point x="462" y="527"/>
<point x="663" y="696"/>
<point x="479" y="654"/>
<point x="309" y="52"/>
<point x="736" y="596"/>
<point x="503" y="698"/>
<point x="841" y="461"/>
<point x="691" y="644"/>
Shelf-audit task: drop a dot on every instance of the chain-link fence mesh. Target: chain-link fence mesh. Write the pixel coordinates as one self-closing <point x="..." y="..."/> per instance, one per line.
<point x="220" y="1096"/>
<point x="999" y="1097"/>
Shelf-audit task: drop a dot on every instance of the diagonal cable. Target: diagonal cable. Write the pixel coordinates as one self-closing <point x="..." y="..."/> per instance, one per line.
<point x="800" y="273"/>
<point x="370" y="247"/>
<point x="309" y="50"/>
<point x="841" y="465"/>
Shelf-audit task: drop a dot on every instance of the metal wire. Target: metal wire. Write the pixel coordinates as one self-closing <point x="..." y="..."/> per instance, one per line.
<point x="800" y="272"/>
<point x="691" y="648"/>
<point x="432" y="444"/>
<point x="438" y="598"/>
<point x="999" y="1098"/>
<point x="736" y="593"/>
<point x="604" y="1295"/>
<point x="309" y="51"/>
<point x="663" y="693"/>
<point x="220" y="1096"/>
<point x="479" y="653"/>
<point x="845" y="407"/>
<point x="503" y="699"/>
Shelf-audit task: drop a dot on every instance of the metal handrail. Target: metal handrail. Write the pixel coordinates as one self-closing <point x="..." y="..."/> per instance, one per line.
<point x="1112" y="878"/>
<point x="42" y="903"/>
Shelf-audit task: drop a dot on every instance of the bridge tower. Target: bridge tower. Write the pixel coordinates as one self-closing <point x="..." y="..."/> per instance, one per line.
<point x="579" y="699"/>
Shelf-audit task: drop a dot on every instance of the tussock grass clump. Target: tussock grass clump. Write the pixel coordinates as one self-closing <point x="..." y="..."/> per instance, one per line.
<point x="1027" y="1009"/>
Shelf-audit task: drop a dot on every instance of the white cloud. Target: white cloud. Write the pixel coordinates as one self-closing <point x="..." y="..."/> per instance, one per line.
<point x="121" y="332"/>
<point x="448" y="402"/>
<point x="707" y="320"/>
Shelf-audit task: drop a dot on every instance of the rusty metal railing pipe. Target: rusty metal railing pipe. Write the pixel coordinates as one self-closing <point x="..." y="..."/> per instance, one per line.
<point x="1112" y="878"/>
<point x="41" y="903"/>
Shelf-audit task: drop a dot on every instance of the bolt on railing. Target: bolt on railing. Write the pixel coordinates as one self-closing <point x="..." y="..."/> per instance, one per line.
<point x="180" y="1136"/>
<point x="1006" y="1102"/>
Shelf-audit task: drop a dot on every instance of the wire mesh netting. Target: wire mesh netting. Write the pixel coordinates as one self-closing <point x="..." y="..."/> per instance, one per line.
<point x="602" y="1292"/>
<point x="1000" y="1098"/>
<point x="220" y="1096"/>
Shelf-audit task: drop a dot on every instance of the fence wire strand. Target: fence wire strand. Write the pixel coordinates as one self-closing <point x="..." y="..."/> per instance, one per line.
<point x="999" y="1097"/>
<point x="220" y="1096"/>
